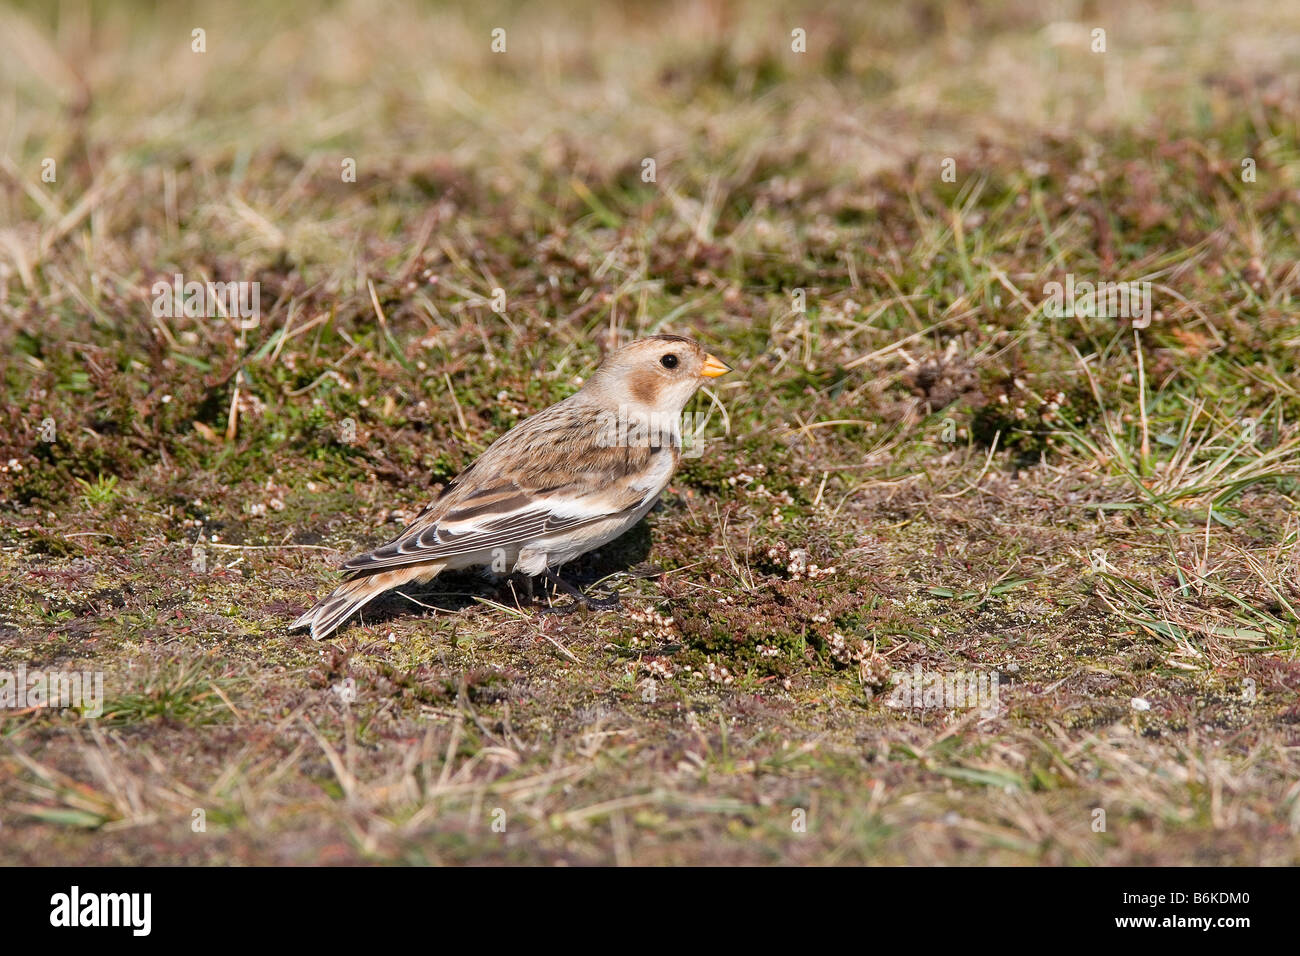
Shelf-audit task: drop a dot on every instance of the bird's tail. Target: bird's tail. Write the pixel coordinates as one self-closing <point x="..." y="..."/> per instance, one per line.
<point x="351" y="596"/>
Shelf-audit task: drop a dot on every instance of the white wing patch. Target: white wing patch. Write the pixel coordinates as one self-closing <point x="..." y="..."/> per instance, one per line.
<point x="450" y="539"/>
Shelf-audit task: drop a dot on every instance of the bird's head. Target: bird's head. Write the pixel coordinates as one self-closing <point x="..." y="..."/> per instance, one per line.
<point x="658" y="374"/>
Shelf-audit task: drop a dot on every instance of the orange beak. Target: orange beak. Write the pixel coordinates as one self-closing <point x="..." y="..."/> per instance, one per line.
<point x="714" y="366"/>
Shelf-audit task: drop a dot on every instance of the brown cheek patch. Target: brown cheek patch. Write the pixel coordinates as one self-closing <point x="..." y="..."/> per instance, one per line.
<point x="644" y="387"/>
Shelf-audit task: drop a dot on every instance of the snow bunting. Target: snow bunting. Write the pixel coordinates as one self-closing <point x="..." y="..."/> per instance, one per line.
<point x="567" y="480"/>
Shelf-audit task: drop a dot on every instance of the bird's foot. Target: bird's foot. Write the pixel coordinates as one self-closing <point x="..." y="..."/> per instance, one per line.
<point x="603" y="604"/>
<point x="559" y="610"/>
<point x="579" y="599"/>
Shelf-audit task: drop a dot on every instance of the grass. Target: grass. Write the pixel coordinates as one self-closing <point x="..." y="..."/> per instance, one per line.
<point x="916" y="464"/>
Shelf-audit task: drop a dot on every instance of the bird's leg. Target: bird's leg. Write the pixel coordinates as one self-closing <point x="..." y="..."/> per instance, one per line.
<point x="600" y="604"/>
<point x="527" y="599"/>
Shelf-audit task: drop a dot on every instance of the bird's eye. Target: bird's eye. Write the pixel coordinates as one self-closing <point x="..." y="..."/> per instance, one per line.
<point x="669" y="361"/>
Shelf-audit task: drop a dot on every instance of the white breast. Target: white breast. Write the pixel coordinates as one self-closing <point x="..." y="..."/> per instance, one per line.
<point x="657" y="475"/>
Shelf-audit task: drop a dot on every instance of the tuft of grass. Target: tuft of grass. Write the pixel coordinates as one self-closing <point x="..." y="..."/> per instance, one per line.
<point x="99" y="493"/>
<point x="176" y="694"/>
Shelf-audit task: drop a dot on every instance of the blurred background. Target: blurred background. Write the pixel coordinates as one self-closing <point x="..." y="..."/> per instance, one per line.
<point x="236" y="150"/>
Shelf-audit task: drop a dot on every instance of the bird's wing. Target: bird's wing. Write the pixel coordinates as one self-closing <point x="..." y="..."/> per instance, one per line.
<point x="554" y="472"/>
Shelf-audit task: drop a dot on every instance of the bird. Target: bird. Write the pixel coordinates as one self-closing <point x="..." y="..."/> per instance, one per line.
<point x="558" y="484"/>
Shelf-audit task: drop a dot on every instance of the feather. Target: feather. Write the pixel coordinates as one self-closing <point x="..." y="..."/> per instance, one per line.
<point x="350" y="596"/>
<point x="549" y="474"/>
